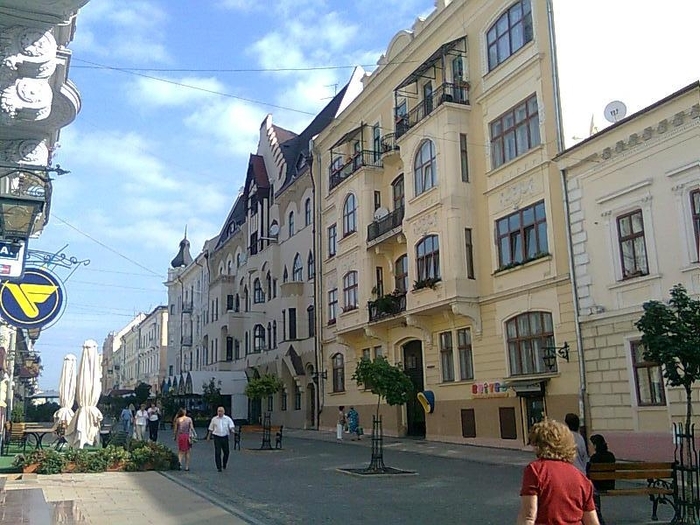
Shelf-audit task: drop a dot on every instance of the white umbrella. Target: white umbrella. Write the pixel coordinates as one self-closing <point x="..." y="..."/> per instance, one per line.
<point x="84" y="428"/>
<point x="66" y="390"/>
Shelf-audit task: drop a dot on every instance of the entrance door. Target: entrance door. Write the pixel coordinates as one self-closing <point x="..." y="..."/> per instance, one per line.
<point x="255" y="411"/>
<point x="535" y="410"/>
<point x="311" y="403"/>
<point x="413" y="366"/>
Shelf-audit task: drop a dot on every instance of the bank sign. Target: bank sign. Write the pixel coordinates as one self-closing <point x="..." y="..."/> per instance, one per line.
<point x="34" y="301"/>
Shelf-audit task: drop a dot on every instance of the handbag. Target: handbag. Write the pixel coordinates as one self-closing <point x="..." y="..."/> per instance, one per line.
<point x="193" y="436"/>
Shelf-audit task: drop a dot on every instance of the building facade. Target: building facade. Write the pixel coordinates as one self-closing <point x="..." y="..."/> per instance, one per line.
<point x="634" y="208"/>
<point x="442" y="234"/>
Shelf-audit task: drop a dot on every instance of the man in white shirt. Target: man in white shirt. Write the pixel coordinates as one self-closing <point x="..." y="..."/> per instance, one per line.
<point x="141" y="422"/>
<point x="153" y="422"/>
<point x="221" y="427"/>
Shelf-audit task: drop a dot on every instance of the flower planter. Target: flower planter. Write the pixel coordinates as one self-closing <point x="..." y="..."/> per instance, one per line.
<point x="31" y="468"/>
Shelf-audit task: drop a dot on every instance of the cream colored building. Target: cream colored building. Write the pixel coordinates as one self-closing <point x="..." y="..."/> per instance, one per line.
<point x="128" y="354"/>
<point x="114" y="358"/>
<point x="263" y="272"/>
<point x="442" y="238"/>
<point x="634" y="209"/>
<point x="153" y="348"/>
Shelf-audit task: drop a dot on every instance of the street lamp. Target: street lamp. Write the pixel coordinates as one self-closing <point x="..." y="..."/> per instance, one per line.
<point x="550" y="355"/>
<point x="316" y="375"/>
<point x="18" y="216"/>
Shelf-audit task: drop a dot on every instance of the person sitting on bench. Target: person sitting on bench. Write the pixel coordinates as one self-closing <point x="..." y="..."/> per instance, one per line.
<point x="601" y="455"/>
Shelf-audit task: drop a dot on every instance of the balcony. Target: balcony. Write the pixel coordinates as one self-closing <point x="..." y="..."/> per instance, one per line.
<point x="447" y="92"/>
<point x="358" y="160"/>
<point x="387" y="306"/>
<point x="386" y="224"/>
<point x="187" y="307"/>
<point x="388" y="144"/>
<point x="186" y="340"/>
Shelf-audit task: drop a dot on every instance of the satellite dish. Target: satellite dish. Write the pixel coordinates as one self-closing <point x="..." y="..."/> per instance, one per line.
<point x="380" y="213"/>
<point x="274" y="229"/>
<point x="615" y="111"/>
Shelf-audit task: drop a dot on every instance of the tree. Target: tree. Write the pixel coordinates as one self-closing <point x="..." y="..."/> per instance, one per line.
<point x="142" y="393"/>
<point x="211" y="393"/>
<point x="263" y="386"/>
<point x="384" y="380"/>
<point x="671" y="337"/>
<point x="387" y="382"/>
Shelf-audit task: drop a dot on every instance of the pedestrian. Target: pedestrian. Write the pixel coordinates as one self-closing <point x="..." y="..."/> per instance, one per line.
<point x="353" y="423"/>
<point x="221" y="427"/>
<point x="573" y="422"/>
<point x="182" y="430"/>
<point x="601" y="455"/>
<point x="141" y="420"/>
<point x="126" y="419"/>
<point x="153" y="422"/>
<point x="553" y="491"/>
<point x="341" y="423"/>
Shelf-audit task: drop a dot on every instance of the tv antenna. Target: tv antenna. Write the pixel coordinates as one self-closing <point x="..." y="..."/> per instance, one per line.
<point x="615" y="111"/>
<point x="335" y="90"/>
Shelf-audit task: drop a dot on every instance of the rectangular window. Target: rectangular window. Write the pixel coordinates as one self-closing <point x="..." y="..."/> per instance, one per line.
<point x="515" y="132"/>
<point x="292" y="323"/>
<point x="229" y="348"/>
<point x="366" y="354"/>
<point x="377" y="141"/>
<point x="236" y="349"/>
<point x="270" y="404"/>
<point x="229" y="303"/>
<point x="463" y="158"/>
<point x="378" y="352"/>
<point x="447" y="357"/>
<point x="297" y="398"/>
<point x="379" y="277"/>
<point x="695" y="209"/>
<point x="283" y="404"/>
<point x="648" y="378"/>
<point x="332" y="240"/>
<point x="522" y="236"/>
<point x="464" y="349"/>
<point x="311" y="320"/>
<point x="633" y="252"/>
<point x="469" y="246"/>
<point x="377" y="200"/>
<point x="332" y="305"/>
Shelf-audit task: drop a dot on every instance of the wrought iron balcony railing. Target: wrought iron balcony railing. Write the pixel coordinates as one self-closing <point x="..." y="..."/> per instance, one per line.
<point x="447" y="92"/>
<point x="186" y="340"/>
<point x="385" y="224"/>
<point x="354" y="163"/>
<point x="387" y="306"/>
<point x="388" y="143"/>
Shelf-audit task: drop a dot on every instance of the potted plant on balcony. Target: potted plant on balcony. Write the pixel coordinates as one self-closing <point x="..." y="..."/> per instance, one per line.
<point x="428" y="282"/>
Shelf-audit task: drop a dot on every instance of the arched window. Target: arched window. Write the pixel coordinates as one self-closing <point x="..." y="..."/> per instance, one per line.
<point x="269" y="285"/>
<point x="350" y="287"/>
<point x="349" y="215"/>
<point x="238" y="260"/>
<point x="269" y="334"/>
<point x="428" y="258"/>
<point x="528" y="334"/>
<point x="285" y="275"/>
<point x="311" y="267"/>
<point x="229" y="267"/>
<point x="258" y="338"/>
<point x="274" y="334"/>
<point x="401" y="273"/>
<point x="258" y="292"/>
<point x="246" y="301"/>
<point x="424" y="175"/>
<point x="510" y="32"/>
<point x="237" y="307"/>
<point x="338" y="373"/>
<point x="297" y="269"/>
<point x="307" y="212"/>
<point x="290" y="223"/>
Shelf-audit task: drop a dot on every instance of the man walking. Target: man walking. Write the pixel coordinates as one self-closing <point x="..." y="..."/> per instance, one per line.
<point x="153" y="422"/>
<point x="581" y="460"/>
<point x="221" y="427"/>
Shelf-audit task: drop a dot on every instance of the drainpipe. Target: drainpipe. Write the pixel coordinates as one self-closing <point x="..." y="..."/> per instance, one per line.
<point x="318" y="264"/>
<point x="569" y="244"/>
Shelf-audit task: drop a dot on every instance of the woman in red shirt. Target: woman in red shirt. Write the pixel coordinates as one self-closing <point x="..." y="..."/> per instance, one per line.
<point x="554" y="492"/>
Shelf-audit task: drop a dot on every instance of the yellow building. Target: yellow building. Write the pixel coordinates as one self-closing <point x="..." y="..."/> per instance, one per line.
<point x="634" y="209"/>
<point x="442" y="240"/>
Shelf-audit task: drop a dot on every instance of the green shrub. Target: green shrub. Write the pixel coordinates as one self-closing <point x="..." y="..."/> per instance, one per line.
<point x="113" y="455"/>
<point x="146" y="455"/>
<point x="48" y="461"/>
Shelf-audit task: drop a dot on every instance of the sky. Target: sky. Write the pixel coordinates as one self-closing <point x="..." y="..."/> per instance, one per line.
<point x="173" y="94"/>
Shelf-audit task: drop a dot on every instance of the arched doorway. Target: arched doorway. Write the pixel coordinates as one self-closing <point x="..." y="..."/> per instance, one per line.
<point x="413" y="366"/>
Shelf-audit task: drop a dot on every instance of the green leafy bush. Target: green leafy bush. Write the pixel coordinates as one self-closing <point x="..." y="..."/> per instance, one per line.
<point x="48" y="461"/>
<point x="146" y="455"/>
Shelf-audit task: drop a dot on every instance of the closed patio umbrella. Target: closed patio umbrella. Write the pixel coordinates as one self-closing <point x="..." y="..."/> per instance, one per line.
<point x="84" y="428"/>
<point x="66" y="390"/>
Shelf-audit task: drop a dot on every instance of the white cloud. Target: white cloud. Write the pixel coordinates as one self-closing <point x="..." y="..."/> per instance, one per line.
<point x="174" y="92"/>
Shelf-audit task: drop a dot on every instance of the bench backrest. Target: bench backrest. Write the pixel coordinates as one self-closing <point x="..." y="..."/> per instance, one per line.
<point x="609" y="471"/>
<point x="17" y="431"/>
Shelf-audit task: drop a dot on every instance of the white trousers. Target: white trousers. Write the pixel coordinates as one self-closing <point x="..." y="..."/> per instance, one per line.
<point x="339" y="431"/>
<point x="140" y="432"/>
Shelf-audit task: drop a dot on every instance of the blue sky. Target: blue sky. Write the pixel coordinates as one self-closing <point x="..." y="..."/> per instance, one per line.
<point x="164" y="133"/>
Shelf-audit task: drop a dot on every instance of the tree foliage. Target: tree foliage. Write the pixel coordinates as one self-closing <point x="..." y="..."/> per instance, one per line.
<point x="263" y="386"/>
<point x="671" y="337"/>
<point x="386" y="381"/>
<point x="211" y="393"/>
<point x="142" y="393"/>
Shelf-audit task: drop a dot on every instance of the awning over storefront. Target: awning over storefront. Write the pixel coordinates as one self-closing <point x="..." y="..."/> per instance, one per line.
<point x="232" y="382"/>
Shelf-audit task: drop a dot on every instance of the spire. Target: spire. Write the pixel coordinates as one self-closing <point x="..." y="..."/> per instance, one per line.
<point x="183" y="257"/>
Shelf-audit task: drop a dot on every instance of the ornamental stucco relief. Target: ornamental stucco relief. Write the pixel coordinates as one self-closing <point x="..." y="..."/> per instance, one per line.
<point x="29" y="51"/>
<point x="33" y="152"/>
<point x="423" y="225"/>
<point x="512" y="196"/>
<point x="26" y="99"/>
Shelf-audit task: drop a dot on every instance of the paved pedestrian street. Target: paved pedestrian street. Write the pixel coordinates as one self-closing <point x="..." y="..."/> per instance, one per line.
<point x="302" y="484"/>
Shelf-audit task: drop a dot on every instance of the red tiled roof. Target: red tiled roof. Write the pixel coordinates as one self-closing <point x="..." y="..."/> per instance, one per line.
<point x="257" y="165"/>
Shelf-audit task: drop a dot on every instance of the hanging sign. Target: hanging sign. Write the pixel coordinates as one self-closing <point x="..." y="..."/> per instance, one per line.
<point x="34" y="301"/>
<point x="12" y="255"/>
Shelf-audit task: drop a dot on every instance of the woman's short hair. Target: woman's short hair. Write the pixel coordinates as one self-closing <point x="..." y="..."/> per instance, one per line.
<point x="553" y="440"/>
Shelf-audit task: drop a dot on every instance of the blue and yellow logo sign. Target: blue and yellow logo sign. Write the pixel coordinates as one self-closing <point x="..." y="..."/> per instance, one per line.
<point x="32" y="302"/>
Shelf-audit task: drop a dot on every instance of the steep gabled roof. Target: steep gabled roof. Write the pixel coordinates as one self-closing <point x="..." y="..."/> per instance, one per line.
<point x="236" y="217"/>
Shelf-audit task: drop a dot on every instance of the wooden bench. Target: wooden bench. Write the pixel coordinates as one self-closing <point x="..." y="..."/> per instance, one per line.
<point x="249" y="429"/>
<point x="661" y="481"/>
